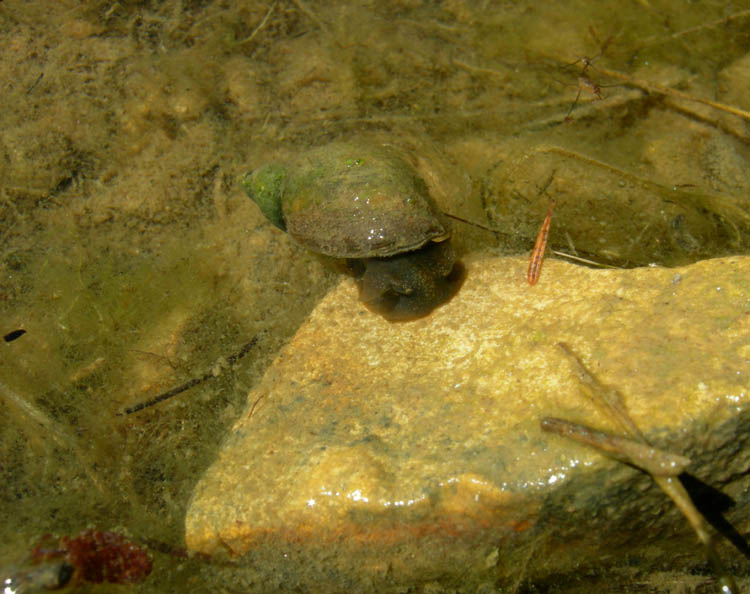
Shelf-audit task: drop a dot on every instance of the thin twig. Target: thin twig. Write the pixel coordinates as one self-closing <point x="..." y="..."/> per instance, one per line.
<point x="652" y="87"/>
<point x="658" y="39"/>
<point x="51" y="428"/>
<point x="231" y="360"/>
<point x="598" y="393"/>
<point x="480" y="70"/>
<point x="262" y="24"/>
<point x="584" y="260"/>
<point x="302" y="7"/>
<point x="433" y="24"/>
<point x="255" y="404"/>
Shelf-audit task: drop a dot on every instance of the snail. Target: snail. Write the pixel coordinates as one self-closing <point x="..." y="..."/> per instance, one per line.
<point x="365" y="204"/>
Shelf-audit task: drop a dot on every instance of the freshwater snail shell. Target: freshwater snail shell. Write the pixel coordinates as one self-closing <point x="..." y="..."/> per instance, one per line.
<point x="366" y="204"/>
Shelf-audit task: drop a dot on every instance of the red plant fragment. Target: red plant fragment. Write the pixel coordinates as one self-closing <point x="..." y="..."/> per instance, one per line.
<point x="98" y="557"/>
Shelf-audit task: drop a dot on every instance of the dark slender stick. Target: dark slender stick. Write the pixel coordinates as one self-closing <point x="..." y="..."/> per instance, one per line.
<point x="231" y="360"/>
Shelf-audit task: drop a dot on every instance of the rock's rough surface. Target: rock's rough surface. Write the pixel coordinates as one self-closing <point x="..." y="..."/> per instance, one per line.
<point x="375" y="454"/>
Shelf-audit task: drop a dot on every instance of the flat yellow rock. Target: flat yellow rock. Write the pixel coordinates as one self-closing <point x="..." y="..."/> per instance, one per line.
<point x="398" y="445"/>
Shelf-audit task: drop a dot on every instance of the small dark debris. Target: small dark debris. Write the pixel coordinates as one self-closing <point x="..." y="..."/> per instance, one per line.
<point x="11" y="336"/>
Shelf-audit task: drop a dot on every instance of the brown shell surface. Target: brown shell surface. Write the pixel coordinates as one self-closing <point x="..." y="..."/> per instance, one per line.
<point x="352" y="201"/>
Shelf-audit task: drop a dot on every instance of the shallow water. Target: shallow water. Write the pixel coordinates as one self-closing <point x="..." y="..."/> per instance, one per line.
<point x="134" y="264"/>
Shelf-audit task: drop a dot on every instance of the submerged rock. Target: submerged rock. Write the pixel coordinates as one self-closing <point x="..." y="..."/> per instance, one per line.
<point x="375" y="455"/>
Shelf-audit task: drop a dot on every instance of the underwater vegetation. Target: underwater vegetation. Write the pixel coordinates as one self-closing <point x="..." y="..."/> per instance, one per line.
<point x="133" y="272"/>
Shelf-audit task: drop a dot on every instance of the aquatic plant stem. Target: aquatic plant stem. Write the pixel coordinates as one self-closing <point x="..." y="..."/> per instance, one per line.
<point x="653" y="87"/>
